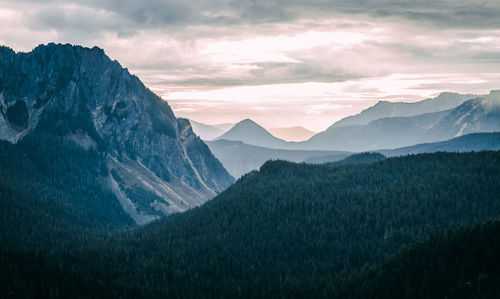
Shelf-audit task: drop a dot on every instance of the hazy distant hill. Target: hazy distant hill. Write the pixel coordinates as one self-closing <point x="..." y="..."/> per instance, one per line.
<point x="296" y="133"/>
<point x="385" y="109"/>
<point x="252" y="133"/>
<point x="240" y="158"/>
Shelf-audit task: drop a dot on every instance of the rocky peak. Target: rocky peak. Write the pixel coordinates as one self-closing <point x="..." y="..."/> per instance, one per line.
<point x="84" y="96"/>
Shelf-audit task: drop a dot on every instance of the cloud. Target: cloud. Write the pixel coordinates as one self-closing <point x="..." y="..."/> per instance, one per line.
<point x="267" y="73"/>
<point x="321" y="108"/>
<point x="282" y="53"/>
<point x="75" y="19"/>
<point x="178" y="13"/>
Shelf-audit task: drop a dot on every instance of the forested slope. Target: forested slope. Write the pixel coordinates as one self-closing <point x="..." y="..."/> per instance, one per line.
<point x="453" y="264"/>
<point x="50" y="197"/>
<point x="294" y="230"/>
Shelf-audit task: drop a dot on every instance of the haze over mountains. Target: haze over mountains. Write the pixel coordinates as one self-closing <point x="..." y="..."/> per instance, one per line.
<point x="151" y="162"/>
<point x="386" y="109"/>
<point x="472" y="116"/>
<point x="386" y="127"/>
<point x="389" y="125"/>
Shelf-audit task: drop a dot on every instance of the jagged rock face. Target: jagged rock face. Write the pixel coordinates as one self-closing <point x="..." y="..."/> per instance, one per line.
<point x="81" y="94"/>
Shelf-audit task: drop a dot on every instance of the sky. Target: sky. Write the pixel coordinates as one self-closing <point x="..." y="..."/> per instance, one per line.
<point x="280" y="63"/>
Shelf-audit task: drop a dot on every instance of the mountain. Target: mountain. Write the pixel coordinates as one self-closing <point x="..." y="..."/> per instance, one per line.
<point x="296" y="133"/>
<point x="466" y="143"/>
<point x="473" y="116"/>
<point x="295" y="230"/>
<point x="240" y="158"/>
<point x="390" y="132"/>
<point x="61" y="97"/>
<point x="251" y="133"/>
<point x="385" y="109"/>
<point x="388" y="125"/>
<point x="381" y="135"/>
<point x="209" y="132"/>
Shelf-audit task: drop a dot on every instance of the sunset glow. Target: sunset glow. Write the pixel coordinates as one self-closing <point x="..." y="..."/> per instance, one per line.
<point x="305" y="65"/>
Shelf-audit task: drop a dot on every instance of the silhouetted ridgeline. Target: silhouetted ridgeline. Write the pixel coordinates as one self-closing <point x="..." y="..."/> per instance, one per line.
<point x="299" y="230"/>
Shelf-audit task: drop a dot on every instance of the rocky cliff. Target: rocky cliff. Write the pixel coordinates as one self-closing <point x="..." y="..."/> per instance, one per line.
<point x="153" y="163"/>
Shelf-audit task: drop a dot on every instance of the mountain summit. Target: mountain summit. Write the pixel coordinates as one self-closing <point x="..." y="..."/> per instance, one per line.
<point x="249" y="132"/>
<point x="152" y="162"/>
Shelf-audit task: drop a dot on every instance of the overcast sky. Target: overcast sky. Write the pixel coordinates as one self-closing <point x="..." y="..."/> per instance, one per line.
<point x="281" y="63"/>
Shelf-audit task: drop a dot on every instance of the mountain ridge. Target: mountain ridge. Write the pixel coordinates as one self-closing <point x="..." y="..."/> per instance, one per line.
<point x="87" y="99"/>
<point x="385" y="109"/>
<point x="472" y="116"/>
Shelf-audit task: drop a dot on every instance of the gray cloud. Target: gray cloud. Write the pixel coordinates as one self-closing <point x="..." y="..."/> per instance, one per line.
<point x="175" y="13"/>
<point x="265" y="73"/>
<point x="83" y="20"/>
<point x="372" y="48"/>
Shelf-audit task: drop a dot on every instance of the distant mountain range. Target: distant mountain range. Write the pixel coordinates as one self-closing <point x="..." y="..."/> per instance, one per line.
<point x="470" y="116"/>
<point x="240" y="158"/>
<point x="69" y="99"/>
<point x="385" y="109"/>
<point x="399" y="125"/>
<point x="402" y="129"/>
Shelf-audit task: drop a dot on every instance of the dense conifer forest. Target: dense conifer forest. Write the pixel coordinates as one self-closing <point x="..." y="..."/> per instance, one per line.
<point x="50" y="195"/>
<point x="400" y="227"/>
